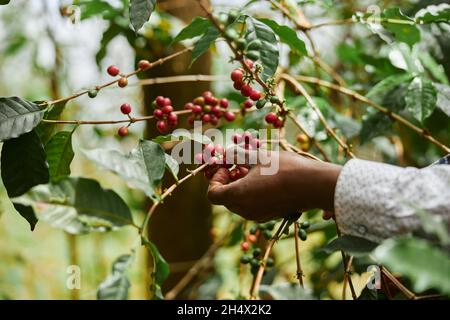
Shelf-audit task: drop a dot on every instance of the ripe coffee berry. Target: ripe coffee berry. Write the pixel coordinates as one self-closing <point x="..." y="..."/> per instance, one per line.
<point x="245" y="246"/>
<point x="206" y="118"/>
<point x="236" y="138"/>
<point x="249" y="63"/>
<point x="160" y="101"/>
<point x="278" y="123"/>
<point x="212" y="101"/>
<point x="248" y="104"/>
<point x="188" y="106"/>
<point x="144" y="65"/>
<point x="246" y="90"/>
<point x="207" y="94"/>
<point x="196" y="109"/>
<point x="238" y="85"/>
<point x="237" y="75"/>
<point x="271" y="117"/>
<point x="224" y="103"/>
<point x="113" y="71"/>
<point x="214" y="120"/>
<point x="123" y="82"/>
<point x="125" y="108"/>
<point x="167" y="102"/>
<point x="162" y="127"/>
<point x="251" y="238"/>
<point x="158" y="113"/>
<point x="229" y="116"/>
<point x="255" y="95"/>
<point x="172" y="118"/>
<point x="123" y="131"/>
<point x="167" y="109"/>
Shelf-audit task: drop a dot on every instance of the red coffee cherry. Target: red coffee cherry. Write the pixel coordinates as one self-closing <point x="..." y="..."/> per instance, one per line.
<point x="123" y="131"/>
<point x="144" y="65"/>
<point x="224" y="103"/>
<point x="167" y="109"/>
<point x="196" y="109"/>
<point x="167" y="102"/>
<point x="278" y="123"/>
<point x="206" y="118"/>
<point x="123" y="82"/>
<point x="172" y="118"/>
<point x="271" y="117"/>
<point x="236" y="138"/>
<point x="125" y="108"/>
<point x="160" y="101"/>
<point x="158" y="113"/>
<point x="245" y="246"/>
<point x="191" y="120"/>
<point x="229" y="116"/>
<point x="214" y="120"/>
<point x="302" y="138"/>
<point x="113" y="71"/>
<point x="252" y="238"/>
<point x="246" y="90"/>
<point x="248" y="104"/>
<point x="199" y="158"/>
<point x="249" y="63"/>
<point x="237" y="75"/>
<point x="247" y="137"/>
<point x="255" y="95"/>
<point x="188" y="106"/>
<point x="162" y="127"/>
<point x="216" y="111"/>
<point x="212" y="101"/>
<point x="207" y="94"/>
<point x="238" y="85"/>
<point x="209" y="150"/>
<point x="255" y="143"/>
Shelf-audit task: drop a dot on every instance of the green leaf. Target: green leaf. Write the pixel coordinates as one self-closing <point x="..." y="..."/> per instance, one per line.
<point x="160" y="270"/>
<point x="284" y="291"/>
<point x="180" y="135"/>
<point x="382" y="88"/>
<point x="403" y="32"/>
<point x="154" y="161"/>
<point x="172" y="166"/>
<point x="426" y="265"/>
<point x="268" y="52"/>
<point x="27" y="213"/>
<point x="197" y="27"/>
<point x="110" y="33"/>
<point x="46" y="130"/>
<point x="77" y="205"/>
<point x="352" y="245"/>
<point x="421" y="98"/>
<point x="90" y="8"/>
<point x="203" y="44"/>
<point x="374" y="125"/>
<point x="18" y="116"/>
<point x="140" y="12"/>
<point x="23" y="164"/>
<point x="434" y="14"/>
<point x="443" y="98"/>
<point x="287" y="35"/>
<point x="59" y="155"/>
<point x="435" y="69"/>
<point x="116" y="285"/>
<point x="4" y="2"/>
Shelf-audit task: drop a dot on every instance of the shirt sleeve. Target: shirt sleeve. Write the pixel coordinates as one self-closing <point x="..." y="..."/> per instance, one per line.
<point x="376" y="201"/>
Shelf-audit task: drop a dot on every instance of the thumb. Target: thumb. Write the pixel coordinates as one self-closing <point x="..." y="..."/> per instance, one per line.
<point x="219" y="189"/>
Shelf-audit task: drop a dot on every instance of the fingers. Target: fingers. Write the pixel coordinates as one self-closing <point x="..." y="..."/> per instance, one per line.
<point x="219" y="189"/>
<point x="244" y="157"/>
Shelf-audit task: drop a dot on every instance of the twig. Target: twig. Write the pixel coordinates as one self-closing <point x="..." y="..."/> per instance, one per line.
<point x="183" y="78"/>
<point x="353" y="21"/>
<point x="258" y="278"/>
<point x="408" y="294"/>
<point x="99" y="87"/>
<point x="316" y="109"/>
<point x="297" y="255"/>
<point x="423" y="132"/>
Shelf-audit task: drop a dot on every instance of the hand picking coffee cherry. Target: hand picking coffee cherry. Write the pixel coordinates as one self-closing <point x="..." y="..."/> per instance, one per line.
<point x="123" y="131"/>
<point x="113" y="71"/>
<point x="125" y="108"/>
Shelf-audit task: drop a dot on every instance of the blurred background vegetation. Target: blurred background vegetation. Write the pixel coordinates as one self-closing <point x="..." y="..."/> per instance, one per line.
<point x="50" y="49"/>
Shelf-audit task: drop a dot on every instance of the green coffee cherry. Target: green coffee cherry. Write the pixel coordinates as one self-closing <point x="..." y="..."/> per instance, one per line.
<point x="92" y="93"/>
<point x="302" y="234"/>
<point x="254" y="270"/>
<point x="261" y="103"/>
<point x="271" y="225"/>
<point x="245" y="259"/>
<point x="253" y="230"/>
<point x="232" y="16"/>
<point x="240" y="44"/>
<point x="253" y="55"/>
<point x="305" y="225"/>
<point x="223" y="18"/>
<point x="270" y="262"/>
<point x="254" y="263"/>
<point x="154" y="105"/>
<point x="274" y="99"/>
<point x="254" y="45"/>
<point x="231" y="34"/>
<point x="256" y="252"/>
<point x="267" y="234"/>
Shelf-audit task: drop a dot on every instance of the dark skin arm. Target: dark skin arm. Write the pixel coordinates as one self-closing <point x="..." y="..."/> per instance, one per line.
<point x="300" y="184"/>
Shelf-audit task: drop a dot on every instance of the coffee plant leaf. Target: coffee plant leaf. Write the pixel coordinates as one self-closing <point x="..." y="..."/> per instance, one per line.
<point x="92" y="8"/>
<point x="77" y="205"/>
<point x="284" y="291"/>
<point x="374" y="125"/>
<point x="403" y="32"/>
<point x="18" y="116"/>
<point x="197" y="27"/>
<point x="434" y="14"/>
<point x="47" y="130"/>
<point x="380" y="90"/>
<point x="203" y="44"/>
<point x="269" y="55"/>
<point x="421" y="98"/>
<point x="23" y="164"/>
<point x="417" y="259"/>
<point x="287" y="35"/>
<point x="4" y="2"/>
<point x="352" y="245"/>
<point x="160" y="270"/>
<point x="27" y="213"/>
<point x="154" y="161"/>
<point x="140" y="12"/>
<point x="59" y="155"/>
<point x="443" y="98"/>
<point x="172" y="166"/>
<point x="116" y="285"/>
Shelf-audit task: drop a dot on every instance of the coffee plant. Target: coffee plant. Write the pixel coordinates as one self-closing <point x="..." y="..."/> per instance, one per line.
<point x="335" y="80"/>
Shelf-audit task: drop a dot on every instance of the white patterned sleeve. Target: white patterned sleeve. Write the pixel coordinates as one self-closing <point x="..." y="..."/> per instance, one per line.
<point x="376" y="201"/>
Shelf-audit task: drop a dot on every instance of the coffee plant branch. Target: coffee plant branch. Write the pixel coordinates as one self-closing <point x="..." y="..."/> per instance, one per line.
<point x="354" y="21"/>
<point x="423" y="132"/>
<point x="299" y="272"/>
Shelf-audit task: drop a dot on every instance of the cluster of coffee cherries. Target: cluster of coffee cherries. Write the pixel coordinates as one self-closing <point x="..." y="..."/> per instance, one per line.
<point x="302" y="230"/>
<point x="163" y="112"/>
<point x="125" y="108"/>
<point x="215" y="156"/>
<point x="244" y="86"/>
<point x="209" y="109"/>
<point x="252" y="254"/>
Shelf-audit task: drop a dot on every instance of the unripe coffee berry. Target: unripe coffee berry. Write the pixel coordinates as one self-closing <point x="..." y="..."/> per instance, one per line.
<point x="92" y="93"/>
<point x="245" y="259"/>
<point x="305" y="225"/>
<point x="199" y="100"/>
<point x="113" y="71"/>
<point x="123" y="82"/>
<point x="144" y="65"/>
<point x="302" y="234"/>
<point x="125" y="108"/>
<point x="256" y="252"/>
<point x="123" y="131"/>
